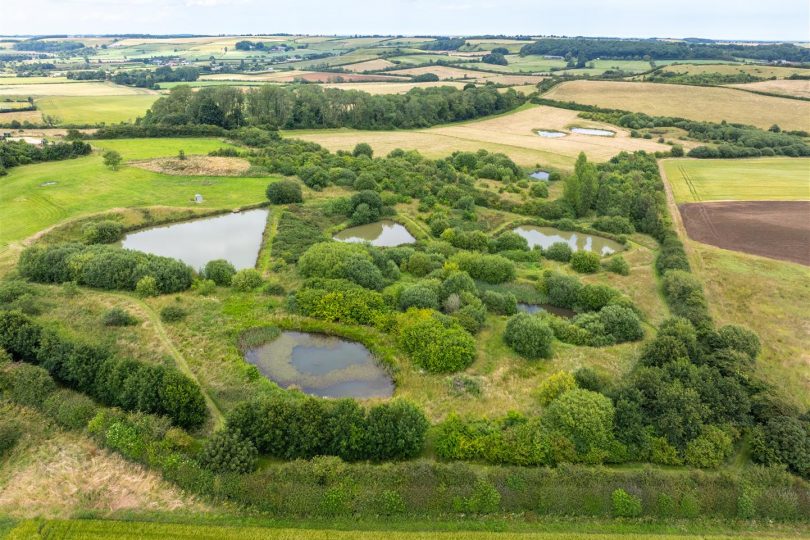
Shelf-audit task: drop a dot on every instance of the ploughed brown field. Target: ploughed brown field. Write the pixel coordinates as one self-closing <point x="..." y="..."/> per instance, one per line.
<point x="775" y="229"/>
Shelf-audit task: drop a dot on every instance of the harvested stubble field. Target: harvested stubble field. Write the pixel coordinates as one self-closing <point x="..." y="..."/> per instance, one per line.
<point x="758" y="179"/>
<point x="72" y="89"/>
<point x="775" y="229"/>
<point x="756" y="70"/>
<point x="451" y="72"/>
<point x="692" y="102"/>
<point x="369" y="65"/>
<point x="795" y="88"/>
<point x="512" y="133"/>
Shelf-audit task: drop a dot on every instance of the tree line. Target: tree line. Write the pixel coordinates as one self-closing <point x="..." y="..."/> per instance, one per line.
<point x="585" y="49"/>
<point x="310" y="106"/>
<point x="14" y="153"/>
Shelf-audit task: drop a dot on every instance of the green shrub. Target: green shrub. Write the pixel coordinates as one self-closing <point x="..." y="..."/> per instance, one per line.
<point x="19" y="335"/>
<point x="418" y="296"/>
<point x="284" y="192"/>
<point x="28" y="385"/>
<point x="220" y="272"/>
<point x="172" y="314"/>
<point x="684" y="294"/>
<point x="246" y="280"/>
<point x="554" y="386"/>
<point x="618" y="265"/>
<point x="585" y="262"/>
<point x="455" y="284"/>
<point x="396" y="430"/>
<point x="70" y="409"/>
<point x="621" y="323"/>
<point x="562" y="290"/>
<point x="593" y="297"/>
<point x="10" y="433"/>
<point x="740" y="339"/>
<point x="118" y="317"/>
<point x="625" y="504"/>
<point x="585" y="418"/>
<point x="205" y="287"/>
<point x="420" y="264"/>
<point x="103" y="232"/>
<point x="432" y="345"/>
<point x="341" y="261"/>
<point x="340" y="300"/>
<point x="558" y="251"/>
<point x="228" y="452"/>
<point x="539" y="189"/>
<point x="500" y="303"/>
<point x="487" y="268"/>
<point x="274" y="289"/>
<point x="614" y="224"/>
<point x="529" y="336"/>
<point x="511" y="241"/>
<point x="484" y="499"/>
<point x="588" y="379"/>
<point x="710" y="449"/>
<point x="146" y="286"/>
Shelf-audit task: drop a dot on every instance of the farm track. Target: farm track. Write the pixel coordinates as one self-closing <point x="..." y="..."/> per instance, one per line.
<point x="704" y="214"/>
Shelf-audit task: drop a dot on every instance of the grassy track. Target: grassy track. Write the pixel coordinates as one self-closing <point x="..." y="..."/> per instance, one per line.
<point x="761" y="179"/>
<point x="96" y="109"/>
<point x="85" y="186"/>
<point x="118" y="530"/>
<point x="692" y="102"/>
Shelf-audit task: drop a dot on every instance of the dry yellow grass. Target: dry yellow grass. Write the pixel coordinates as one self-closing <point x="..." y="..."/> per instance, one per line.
<point x="21" y="116"/>
<point x="692" y="102"/>
<point x="513" y="134"/>
<point x="450" y="72"/>
<point x="93" y="89"/>
<point x="797" y="88"/>
<point x="195" y="166"/>
<point x="369" y="65"/>
<point x="272" y="76"/>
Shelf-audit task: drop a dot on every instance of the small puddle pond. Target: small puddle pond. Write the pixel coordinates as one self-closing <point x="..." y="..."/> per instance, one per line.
<point x="594" y="132"/>
<point x="551" y="134"/>
<point x="385" y="233"/>
<point x="321" y="365"/>
<point x="540" y="175"/>
<point x="546" y="236"/>
<point x="554" y="310"/>
<point x="234" y="237"/>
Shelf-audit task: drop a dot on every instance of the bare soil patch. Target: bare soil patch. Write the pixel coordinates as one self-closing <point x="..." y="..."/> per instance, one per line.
<point x="775" y="229"/>
<point x="195" y="166"/>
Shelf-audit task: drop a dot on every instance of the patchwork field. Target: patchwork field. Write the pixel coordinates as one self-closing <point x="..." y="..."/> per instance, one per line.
<point x="763" y="179"/>
<point x="695" y="103"/>
<point x="369" y="65"/>
<point x="775" y="229"/>
<point x="92" y="110"/>
<point x="452" y="72"/>
<point x="757" y="70"/>
<point x="390" y="87"/>
<point x="512" y="134"/>
<point x="795" y="88"/>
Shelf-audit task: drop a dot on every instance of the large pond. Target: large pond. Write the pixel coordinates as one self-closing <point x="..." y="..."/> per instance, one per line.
<point x="321" y="365"/>
<point x="594" y="132"/>
<point x="551" y="134"/>
<point x="537" y="308"/>
<point x="385" y="233"/>
<point x="234" y="237"/>
<point x="546" y="236"/>
<point x="540" y="175"/>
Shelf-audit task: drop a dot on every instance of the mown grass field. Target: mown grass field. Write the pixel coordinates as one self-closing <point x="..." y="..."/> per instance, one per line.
<point x="760" y="179"/>
<point x="73" y="88"/>
<point x="85" y="185"/>
<point x="128" y="530"/>
<point x="795" y="88"/>
<point x="692" y="102"/>
<point x="96" y="109"/>
<point x="512" y="133"/>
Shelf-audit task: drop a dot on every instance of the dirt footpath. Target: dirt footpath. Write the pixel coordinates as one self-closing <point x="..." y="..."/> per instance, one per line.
<point x="775" y="229"/>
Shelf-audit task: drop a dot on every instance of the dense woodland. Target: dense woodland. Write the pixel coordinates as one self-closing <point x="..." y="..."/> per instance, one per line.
<point x="585" y="49"/>
<point x="310" y="106"/>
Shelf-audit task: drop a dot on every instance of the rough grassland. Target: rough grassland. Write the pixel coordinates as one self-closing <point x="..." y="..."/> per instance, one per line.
<point x="692" y="102"/>
<point x="757" y="70"/>
<point x="369" y="65"/>
<point x="797" y="88"/>
<point x="96" y="110"/>
<point x="129" y="530"/>
<point x="160" y="147"/>
<point x="511" y="133"/>
<point x="760" y="179"/>
<point x="86" y="186"/>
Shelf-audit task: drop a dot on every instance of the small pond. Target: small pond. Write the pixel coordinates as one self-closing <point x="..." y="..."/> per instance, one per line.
<point x="546" y="236"/>
<point x="551" y="134"/>
<point x="234" y="237"/>
<point x="595" y="132"/>
<point x="385" y="233"/>
<point x="540" y="175"/>
<point x="554" y="310"/>
<point x="321" y="365"/>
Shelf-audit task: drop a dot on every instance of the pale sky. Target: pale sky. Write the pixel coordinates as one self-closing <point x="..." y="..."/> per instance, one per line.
<point x="719" y="19"/>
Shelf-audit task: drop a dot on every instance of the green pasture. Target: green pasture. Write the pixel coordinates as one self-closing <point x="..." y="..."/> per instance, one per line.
<point x="85" y="186"/>
<point x="758" y="179"/>
<point x="160" y="147"/>
<point x="96" y="109"/>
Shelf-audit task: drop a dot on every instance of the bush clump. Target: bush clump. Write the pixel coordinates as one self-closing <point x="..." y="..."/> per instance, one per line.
<point x="70" y="409"/>
<point x="558" y="251"/>
<point x="487" y="268"/>
<point x="28" y="385"/>
<point x="554" y="386"/>
<point x="220" y="272"/>
<point x="585" y="262"/>
<point x="118" y="317"/>
<point x="284" y="192"/>
<point x="625" y="504"/>
<point x="172" y="314"/>
<point x="103" y="232"/>
<point x="228" y="452"/>
<point x="529" y="336"/>
<point x="618" y="265"/>
<point x="433" y="344"/>
<point x="246" y="280"/>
